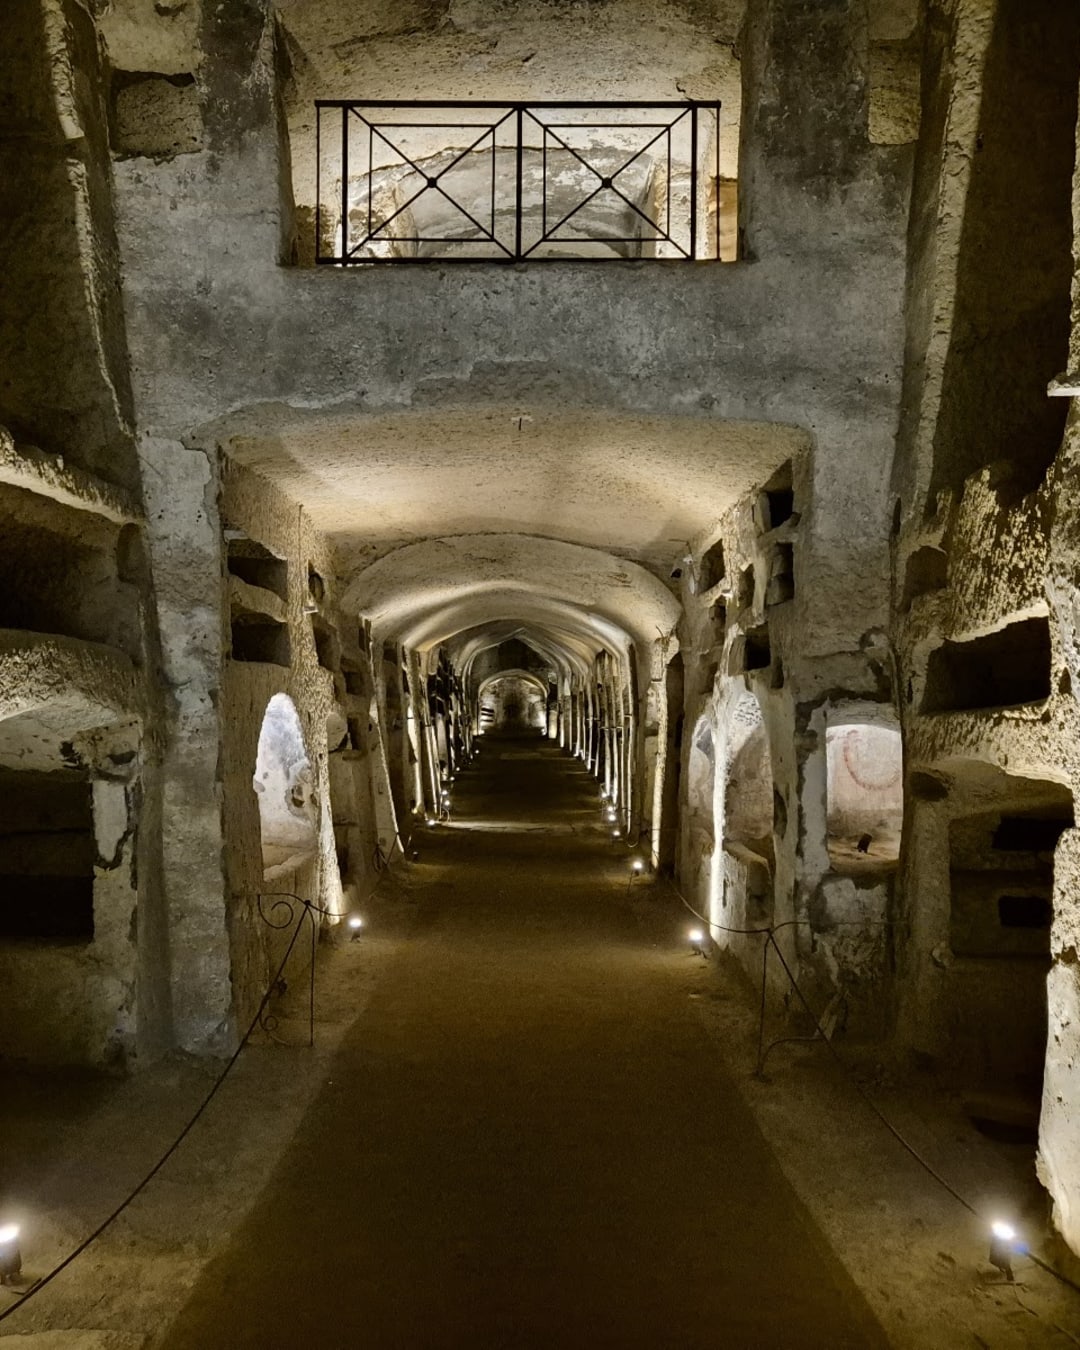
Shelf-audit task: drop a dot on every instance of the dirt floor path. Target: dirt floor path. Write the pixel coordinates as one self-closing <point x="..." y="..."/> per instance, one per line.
<point x="527" y="1139"/>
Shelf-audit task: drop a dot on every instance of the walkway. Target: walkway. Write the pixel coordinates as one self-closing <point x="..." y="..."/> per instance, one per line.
<point x="527" y="1139"/>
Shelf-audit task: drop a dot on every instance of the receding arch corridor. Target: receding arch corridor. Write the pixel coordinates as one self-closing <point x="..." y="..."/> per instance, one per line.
<point x="526" y="1138"/>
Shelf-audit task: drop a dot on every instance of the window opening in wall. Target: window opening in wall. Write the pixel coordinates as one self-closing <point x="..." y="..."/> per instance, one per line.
<point x="367" y="51"/>
<point x="256" y="565"/>
<point x="400" y="182"/>
<point x="864" y="788"/>
<point x="47" y="856"/>
<point x="1003" y="669"/>
<point x="354" y="680"/>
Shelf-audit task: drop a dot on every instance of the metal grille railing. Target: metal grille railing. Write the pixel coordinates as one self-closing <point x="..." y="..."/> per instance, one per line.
<point x="408" y="182"/>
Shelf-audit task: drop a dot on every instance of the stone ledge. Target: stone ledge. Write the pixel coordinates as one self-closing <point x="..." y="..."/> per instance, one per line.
<point x="1022" y="739"/>
<point x="82" y="682"/>
<point x="78" y="1340"/>
<point x="1066" y="385"/>
<point x="244" y="598"/>
<point x="23" y="466"/>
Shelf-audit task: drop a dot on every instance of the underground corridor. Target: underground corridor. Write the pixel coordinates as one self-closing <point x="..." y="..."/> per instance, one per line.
<point x="539" y="674"/>
<point x="527" y="1138"/>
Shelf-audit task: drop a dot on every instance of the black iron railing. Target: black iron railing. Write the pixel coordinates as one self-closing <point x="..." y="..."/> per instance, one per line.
<point x="407" y="182"/>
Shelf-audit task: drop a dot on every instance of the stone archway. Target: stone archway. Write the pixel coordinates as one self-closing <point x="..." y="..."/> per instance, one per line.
<point x="748" y="810"/>
<point x="284" y="782"/>
<point x="700" y="855"/>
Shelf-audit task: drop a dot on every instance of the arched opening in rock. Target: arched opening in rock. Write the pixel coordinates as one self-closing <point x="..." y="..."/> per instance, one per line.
<point x="440" y="181"/>
<point x="700" y="856"/>
<point x="749" y="852"/>
<point x="864" y="788"/>
<point x="513" y="701"/>
<point x="346" y="795"/>
<point x="284" y="783"/>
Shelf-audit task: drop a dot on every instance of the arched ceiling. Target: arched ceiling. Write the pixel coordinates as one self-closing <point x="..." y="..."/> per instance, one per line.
<point x="563" y="649"/>
<point x="513" y="673"/>
<point x="633" y="485"/>
<point x="569" y="601"/>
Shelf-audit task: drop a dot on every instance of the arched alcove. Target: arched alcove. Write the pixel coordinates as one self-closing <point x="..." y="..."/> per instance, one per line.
<point x="865" y="792"/>
<point x="513" y="701"/>
<point x="749" y="851"/>
<point x="701" y="814"/>
<point x="748" y="783"/>
<point x="284" y="783"/>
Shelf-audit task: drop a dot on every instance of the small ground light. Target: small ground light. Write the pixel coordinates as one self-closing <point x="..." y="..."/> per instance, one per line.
<point x="697" y="941"/>
<point x="637" y="866"/>
<point x="356" y="926"/>
<point x="1002" y="1246"/>
<point x="10" y="1256"/>
<point x="429" y="820"/>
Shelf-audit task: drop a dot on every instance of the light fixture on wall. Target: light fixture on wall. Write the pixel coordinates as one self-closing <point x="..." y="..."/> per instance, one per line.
<point x="10" y="1255"/>
<point x="1002" y="1246"/>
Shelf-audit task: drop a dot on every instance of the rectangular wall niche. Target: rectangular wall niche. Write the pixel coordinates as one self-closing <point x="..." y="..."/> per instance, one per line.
<point x="261" y="641"/>
<point x="259" y="631"/>
<point x="756" y="650"/>
<point x="864" y="788"/>
<point x="713" y="567"/>
<point x="256" y="565"/>
<point x="47" y="855"/>
<point x="776" y="504"/>
<point x="1002" y="883"/>
<point x="1001" y="670"/>
<point x="327" y="646"/>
